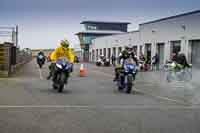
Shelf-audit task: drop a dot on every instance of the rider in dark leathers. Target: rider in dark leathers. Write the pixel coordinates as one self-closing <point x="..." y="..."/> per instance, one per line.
<point x="40" y="53"/>
<point x="181" y="59"/>
<point x="125" y="54"/>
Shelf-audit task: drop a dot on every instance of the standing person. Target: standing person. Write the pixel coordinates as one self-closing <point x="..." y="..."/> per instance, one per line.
<point x="155" y="62"/>
<point x="174" y="57"/>
<point x="141" y="57"/>
<point x="113" y="58"/>
<point x="147" y="63"/>
<point x="141" y="61"/>
<point x="181" y="59"/>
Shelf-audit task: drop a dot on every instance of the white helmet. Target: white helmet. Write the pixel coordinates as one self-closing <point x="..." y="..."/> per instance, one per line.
<point x="129" y="47"/>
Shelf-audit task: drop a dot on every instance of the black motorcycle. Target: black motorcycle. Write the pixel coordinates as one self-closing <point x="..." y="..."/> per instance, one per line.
<point x="103" y="62"/>
<point x="107" y="62"/>
<point x="62" y="70"/>
<point x="41" y="60"/>
<point x="99" y="62"/>
<point x="127" y="76"/>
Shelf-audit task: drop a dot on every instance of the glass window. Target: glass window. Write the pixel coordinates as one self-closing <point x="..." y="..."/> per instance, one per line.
<point x="135" y="49"/>
<point x="109" y="53"/>
<point x="114" y="51"/>
<point x="119" y="50"/>
<point x="140" y="49"/>
<point x="175" y="47"/>
<point x="87" y="39"/>
<point x="100" y="51"/>
<point x="104" y="52"/>
<point x="97" y="53"/>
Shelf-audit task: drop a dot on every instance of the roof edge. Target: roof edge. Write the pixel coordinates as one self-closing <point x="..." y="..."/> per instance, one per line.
<point x="135" y="31"/>
<point x="171" y="17"/>
<point x="105" y="22"/>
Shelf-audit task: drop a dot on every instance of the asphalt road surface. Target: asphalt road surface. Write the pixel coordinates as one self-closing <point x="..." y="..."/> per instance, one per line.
<point x="92" y="104"/>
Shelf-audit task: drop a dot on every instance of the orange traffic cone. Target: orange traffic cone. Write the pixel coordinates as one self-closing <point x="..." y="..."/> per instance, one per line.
<point x="82" y="71"/>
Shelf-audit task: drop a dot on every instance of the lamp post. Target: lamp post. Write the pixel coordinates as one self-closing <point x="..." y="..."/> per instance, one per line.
<point x="16" y="36"/>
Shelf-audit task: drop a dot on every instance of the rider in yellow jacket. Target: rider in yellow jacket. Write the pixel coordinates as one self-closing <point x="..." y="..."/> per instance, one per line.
<point x="62" y="50"/>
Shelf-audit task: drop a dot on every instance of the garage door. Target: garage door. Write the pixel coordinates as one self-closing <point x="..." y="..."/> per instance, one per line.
<point x="160" y="52"/>
<point x="196" y="53"/>
<point x="175" y="47"/>
<point x="148" y="50"/>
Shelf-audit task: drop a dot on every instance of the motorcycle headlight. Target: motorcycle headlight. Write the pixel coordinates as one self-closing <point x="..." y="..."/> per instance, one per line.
<point x="59" y="66"/>
<point x="126" y="71"/>
<point x="40" y="56"/>
<point x="131" y="67"/>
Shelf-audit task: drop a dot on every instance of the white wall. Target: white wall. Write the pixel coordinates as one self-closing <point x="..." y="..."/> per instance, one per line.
<point x="119" y="40"/>
<point x="170" y="30"/>
<point x="165" y="31"/>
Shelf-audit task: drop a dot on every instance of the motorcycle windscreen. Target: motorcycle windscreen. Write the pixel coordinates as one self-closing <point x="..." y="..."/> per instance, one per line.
<point x="64" y="63"/>
<point x="129" y="67"/>
<point x="40" y="56"/>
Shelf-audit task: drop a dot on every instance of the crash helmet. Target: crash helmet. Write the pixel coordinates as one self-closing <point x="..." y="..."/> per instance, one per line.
<point x="129" y="47"/>
<point x="64" y="43"/>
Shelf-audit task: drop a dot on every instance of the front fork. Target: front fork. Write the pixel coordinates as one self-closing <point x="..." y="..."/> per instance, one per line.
<point x="124" y="79"/>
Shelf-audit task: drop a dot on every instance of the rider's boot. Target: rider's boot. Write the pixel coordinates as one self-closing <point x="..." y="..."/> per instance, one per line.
<point x="116" y="77"/>
<point x="49" y="76"/>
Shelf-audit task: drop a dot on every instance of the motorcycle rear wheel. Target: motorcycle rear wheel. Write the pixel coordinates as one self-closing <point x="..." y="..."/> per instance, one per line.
<point x="55" y="87"/>
<point x="120" y="88"/>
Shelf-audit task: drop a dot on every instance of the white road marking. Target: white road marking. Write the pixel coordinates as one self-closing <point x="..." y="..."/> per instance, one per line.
<point x="164" y="98"/>
<point x="102" y="107"/>
<point x="40" y="72"/>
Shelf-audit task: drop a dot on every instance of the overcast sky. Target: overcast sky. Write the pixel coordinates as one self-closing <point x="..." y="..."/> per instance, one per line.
<point x="42" y="23"/>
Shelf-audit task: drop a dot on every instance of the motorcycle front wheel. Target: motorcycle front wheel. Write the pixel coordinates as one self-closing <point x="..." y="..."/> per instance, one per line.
<point x="40" y="66"/>
<point x="120" y="82"/>
<point x="98" y="64"/>
<point x="129" y="83"/>
<point x="61" y="81"/>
